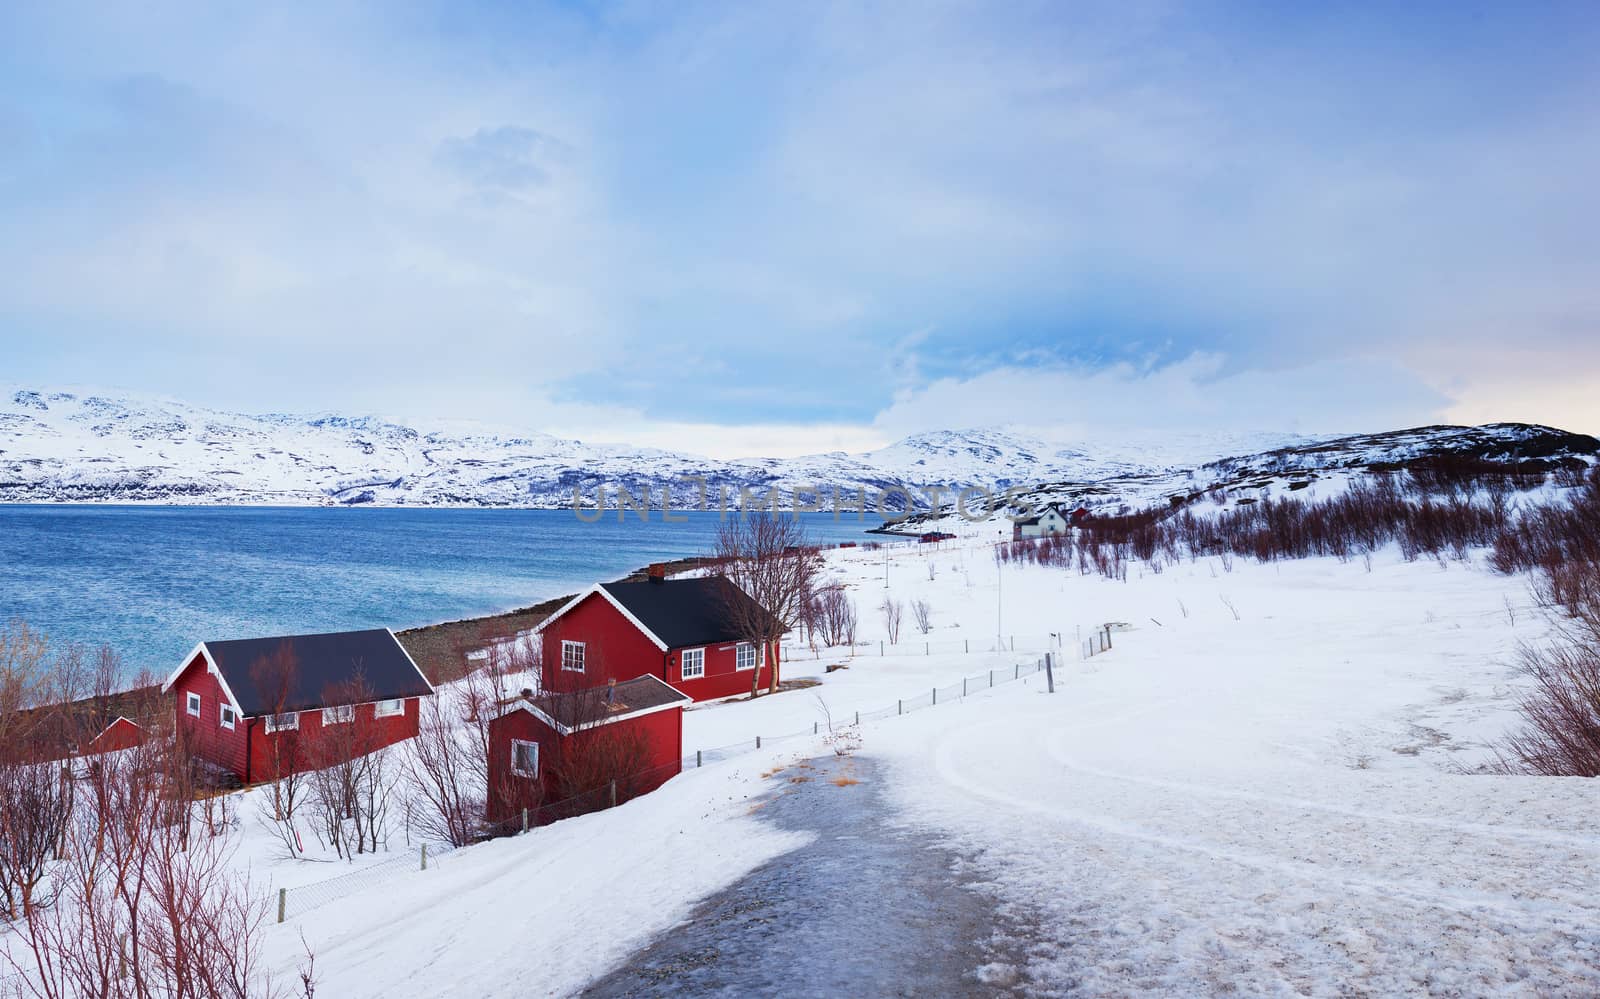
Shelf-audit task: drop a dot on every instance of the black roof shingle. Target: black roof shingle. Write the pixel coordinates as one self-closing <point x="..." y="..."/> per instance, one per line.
<point x="326" y="668"/>
<point x="684" y="612"/>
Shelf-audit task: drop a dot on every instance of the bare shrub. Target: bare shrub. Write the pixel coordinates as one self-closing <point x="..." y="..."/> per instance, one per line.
<point x="835" y="615"/>
<point x="150" y="905"/>
<point x="843" y="739"/>
<point x="893" y="611"/>
<point x="922" y="614"/>
<point x="446" y="801"/>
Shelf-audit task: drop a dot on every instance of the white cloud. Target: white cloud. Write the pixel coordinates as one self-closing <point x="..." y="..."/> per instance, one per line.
<point x="1198" y="393"/>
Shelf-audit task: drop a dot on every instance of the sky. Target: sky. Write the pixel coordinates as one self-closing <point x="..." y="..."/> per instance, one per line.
<point x="747" y="228"/>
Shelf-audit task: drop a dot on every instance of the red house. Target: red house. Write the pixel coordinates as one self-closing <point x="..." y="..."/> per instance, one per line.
<point x="680" y="630"/>
<point x="553" y="753"/>
<point x="86" y="727"/>
<point x="260" y="707"/>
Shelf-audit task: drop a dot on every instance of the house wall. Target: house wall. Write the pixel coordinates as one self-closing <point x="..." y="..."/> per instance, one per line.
<point x="661" y="731"/>
<point x="615" y="649"/>
<point x="294" y="750"/>
<point x="206" y="737"/>
<point x="723" y="678"/>
<point x="121" y="734"/>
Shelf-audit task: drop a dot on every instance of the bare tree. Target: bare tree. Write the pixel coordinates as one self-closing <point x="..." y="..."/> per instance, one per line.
<point x="147" y="910"/>
<point x="352" y="779"/>
<point x="893" y="611"/>
<point x="593" y="756"/>
<point x="922" y="613"/>
<point x="835" y="615"/>
<point x="287" y="760"/>
<point x="441" y="770"/>
<point x="35" y="807"/>
<point x="766" y="559"/>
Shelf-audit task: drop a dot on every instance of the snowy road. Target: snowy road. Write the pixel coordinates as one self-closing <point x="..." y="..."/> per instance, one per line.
<point x="867" y="909"/>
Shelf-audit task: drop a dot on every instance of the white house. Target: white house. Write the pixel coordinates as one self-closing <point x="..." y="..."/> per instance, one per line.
<point x="1051" y="521"/>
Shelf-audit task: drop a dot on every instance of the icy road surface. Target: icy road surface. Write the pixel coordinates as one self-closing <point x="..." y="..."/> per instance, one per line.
<point x="867" y="909"/>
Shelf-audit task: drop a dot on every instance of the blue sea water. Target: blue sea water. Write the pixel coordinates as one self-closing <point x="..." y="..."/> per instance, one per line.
<point x="153" y="581"/>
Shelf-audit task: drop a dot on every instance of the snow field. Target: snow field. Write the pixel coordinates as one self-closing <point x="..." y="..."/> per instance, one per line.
<point x="1270" y="803"/>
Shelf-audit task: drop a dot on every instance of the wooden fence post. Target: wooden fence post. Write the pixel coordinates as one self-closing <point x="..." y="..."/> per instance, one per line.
<point x="697" y="760"/>
<point x="899" y="707"/>
<point x="424" y="856"/>
<point x="966" y="645"/>
<point x="283" y="902"/>
<point x="758" y="742"/>
<point x="936" y="695"/>
<point x="1049" y="673"/>
<point x="524" y="820"/>
<point x="613" y="794"/>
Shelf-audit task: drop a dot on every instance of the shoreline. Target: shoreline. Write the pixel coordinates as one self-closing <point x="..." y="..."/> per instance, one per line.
<point x="440" y="649"/>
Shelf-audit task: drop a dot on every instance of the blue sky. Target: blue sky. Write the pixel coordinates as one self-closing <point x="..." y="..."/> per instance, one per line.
<point x="752" y="228"/>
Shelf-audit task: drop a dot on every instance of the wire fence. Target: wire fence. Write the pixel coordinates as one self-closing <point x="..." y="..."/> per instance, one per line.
<point x="988" y="645"/>
<point x="525" y="817"/>
<point x="933" y="697"/>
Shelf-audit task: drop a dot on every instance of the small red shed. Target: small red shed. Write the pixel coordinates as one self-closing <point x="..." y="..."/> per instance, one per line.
<point x="680" y="630"/>
<point x="260" y="707"/>
<point x="553" y="749"/>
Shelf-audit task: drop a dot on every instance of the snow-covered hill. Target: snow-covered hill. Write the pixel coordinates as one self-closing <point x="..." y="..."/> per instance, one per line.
<point x="74" y="447"/>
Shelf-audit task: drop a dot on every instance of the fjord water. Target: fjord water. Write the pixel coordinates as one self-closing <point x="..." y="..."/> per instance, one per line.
<point x="153" y="581"/>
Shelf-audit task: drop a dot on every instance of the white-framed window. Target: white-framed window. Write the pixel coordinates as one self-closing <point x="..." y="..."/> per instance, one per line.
<point x="287" y="722"/>
<point x="572" y="656"/>
<point x="693" y="664"/>
<point x="744" y="656"/>
<point x="339" y="715"/>
<point x="226" y="716"/>
<point x="525" y="758"/>
<point x="194" y="704"/>
<point x="390" y="709"/>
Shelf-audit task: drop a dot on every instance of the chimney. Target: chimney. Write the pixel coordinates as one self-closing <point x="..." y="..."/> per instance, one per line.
<point x="657" y="572"/>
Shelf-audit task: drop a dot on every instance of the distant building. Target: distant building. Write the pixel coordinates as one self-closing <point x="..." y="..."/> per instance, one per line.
<point x="559" y="754"/>
<point x="683" y="631"/>
<point x="87" y="727"/>
<point x="241" y="704"/>
<point x="1051" y="521"/>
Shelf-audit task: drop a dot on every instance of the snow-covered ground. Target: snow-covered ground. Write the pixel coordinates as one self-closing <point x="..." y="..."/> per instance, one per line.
<point x="1266" y="787"/>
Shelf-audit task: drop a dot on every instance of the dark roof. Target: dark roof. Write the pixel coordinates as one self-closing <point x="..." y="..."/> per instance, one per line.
<point x="326" y="668"/>
<point x="683" y="612"/>
<point x="605" y="704"/>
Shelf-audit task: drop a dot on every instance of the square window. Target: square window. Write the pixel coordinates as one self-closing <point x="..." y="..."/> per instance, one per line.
<point x="390" y="709"/>
<point x="283" y="723"/>
<point x="194" y="704"/>
<point x="228" y="718"/>
<point x="525" y="758"/>
<point x="339" y="715"/>
<point x="745" y="656"/>
<point x="572" y="656"/>
<point x="693" y="665"/>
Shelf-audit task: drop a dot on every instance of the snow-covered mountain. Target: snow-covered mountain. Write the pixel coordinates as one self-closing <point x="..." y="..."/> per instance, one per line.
<point x="69" y="447"/>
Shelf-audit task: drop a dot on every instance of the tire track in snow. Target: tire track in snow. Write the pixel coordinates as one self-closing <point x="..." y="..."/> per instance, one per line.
<point x="1574" y="920"/>
<point x="1056" y="742"/>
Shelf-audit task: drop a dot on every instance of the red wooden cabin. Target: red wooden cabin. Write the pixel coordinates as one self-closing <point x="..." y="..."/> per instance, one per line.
<point x="86" y="727"/>
<point x="552" y="752"/>
<point x="257" y="707"/>
<point x="680" y="630"/>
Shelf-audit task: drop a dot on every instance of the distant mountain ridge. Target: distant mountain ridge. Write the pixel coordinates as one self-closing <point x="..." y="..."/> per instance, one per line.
<point x="70" y="448"/>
